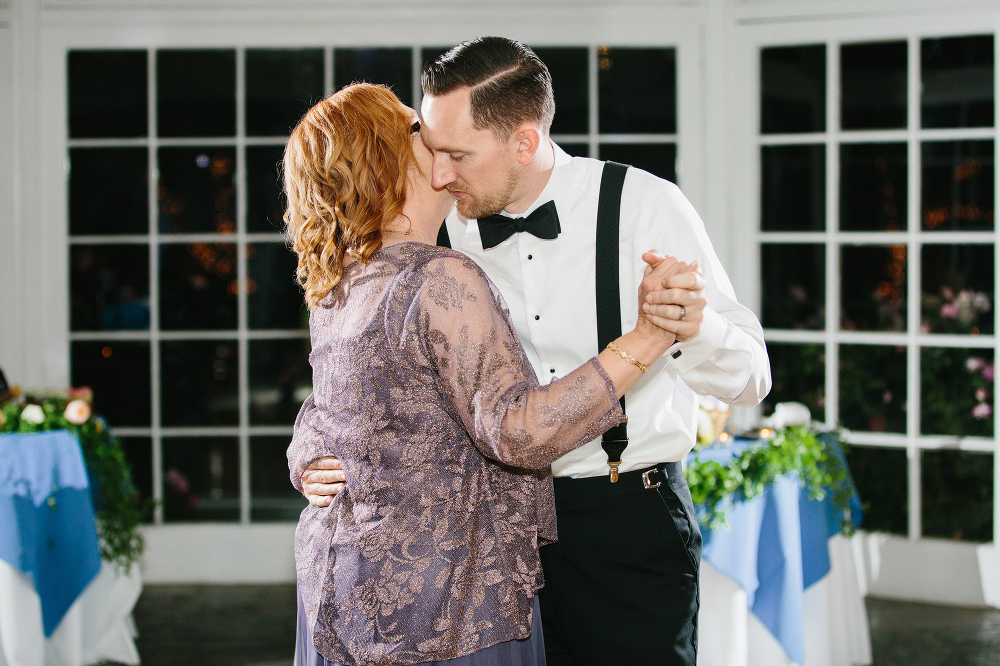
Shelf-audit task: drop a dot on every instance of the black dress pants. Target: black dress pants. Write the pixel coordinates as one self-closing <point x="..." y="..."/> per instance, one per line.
<point x="621" y="584"/>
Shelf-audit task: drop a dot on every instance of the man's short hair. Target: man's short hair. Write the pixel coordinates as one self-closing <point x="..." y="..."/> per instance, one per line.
<point x="509" y="83"/>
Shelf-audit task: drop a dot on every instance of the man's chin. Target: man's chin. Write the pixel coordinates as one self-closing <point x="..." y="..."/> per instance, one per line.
<point x="473" y="210"/>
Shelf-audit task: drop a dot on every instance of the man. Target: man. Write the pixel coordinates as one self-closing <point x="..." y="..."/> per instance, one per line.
<point x="621" y="585"/>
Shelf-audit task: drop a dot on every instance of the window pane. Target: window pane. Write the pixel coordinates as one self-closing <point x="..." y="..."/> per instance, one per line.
<point x="280" y="380"/>
<point x="957" y="82"/>
<point x="107" y="94"/>
<point x="957" y="185"/>
<point x="880" y="477"/>
<point x="873" y="85"/>
<point x="273" y="295"/>
<point x="793" y="89"/>
<point x="794" y="284"/>
<point x="658" y="159"/>
<point x="956" y="289"/>
<point x="873" y="288"/>
<point x="109" y="287"/>
<point x="391" y="67"/>
<point x="957" y="495"/>
<point x="201" y="479"/>
<point x="797" y="375"/>
<point x="873" y="182"/>
<point x="265" y="199"/>
<point x="956" y="392"/>
<point x="139" y="455"/>
<point x="198" y="286"/>
<point x="108" y="191"/>
<point x="199" y="382"/>
<point x="119" y="374"/>
<point x="568" y="67"/>
<point x="196" y="190"/>
<point x="196" y="92"/>
<point x="793" y="188"/>
<point x="625" y="107"/>
<point x="273" y="497"/>
<point x="281" y="86"/>
<point x="576" y="149"/>
<point x="873" y="401"/>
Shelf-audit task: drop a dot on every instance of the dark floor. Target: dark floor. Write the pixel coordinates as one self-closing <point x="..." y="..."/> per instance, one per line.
<point x="254" y="625"/>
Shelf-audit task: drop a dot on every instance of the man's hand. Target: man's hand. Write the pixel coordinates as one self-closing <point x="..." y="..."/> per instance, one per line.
<point x="322" y="480"/>
<point x="678" y="307"/>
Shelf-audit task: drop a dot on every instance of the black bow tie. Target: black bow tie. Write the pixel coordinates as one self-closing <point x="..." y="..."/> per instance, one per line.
<point x="543" y="222"/>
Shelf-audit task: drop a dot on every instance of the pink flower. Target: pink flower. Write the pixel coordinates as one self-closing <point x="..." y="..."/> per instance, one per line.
<point x="924" y="328"/>
<point x="981" y="394"/>
<point x="177" y="481"/>
<point x="973" y="363"/>
<point x="949" y="310"/>
<point x="84" y="393"/>
<point x="982" y="411"/>
<point x="988" y="372"/>
<point x="887" y="396"/>
<point x="77" y="411"/>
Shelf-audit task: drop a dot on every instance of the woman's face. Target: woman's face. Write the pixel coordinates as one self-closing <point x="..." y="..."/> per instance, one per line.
<point x="425" y="161"/>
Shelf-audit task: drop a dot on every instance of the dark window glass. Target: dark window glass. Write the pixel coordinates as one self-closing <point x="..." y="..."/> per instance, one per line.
<point x="273" y="498"/>
<point x="956" y="392"/>
<point x="873" y="182"/>
<point x="265" y="199"/>
<point x="391" y="67"/>
<point x="957" y="495"/>
<point x="568" y="67"/>
<point x="109" y="287"/>
<point x="794" y="282"/>
<point x="274" y="298"/>
<point x="576" y="149"/>
<point x="873" y="288"/>
<point x="659" y="159"/>
<point x="625" y="107"/>
<point x="956" y="289"/>
<point x="798" y="374"/>
<point x="119" y="373"/>
<point x="957" y="185"/>
<point x="873" y="85"/>
<point x="107" y="94"/>
<point x="201" y="479"/>
<point x="957" y="82"/>
<point x="880" y="476"/>
<point x="280" y="380"/>
<point x="196" y="192"/>
<point x="196" y="92"/>
<point x="198" y="286"/>
<point x="199" y="382"/>
<point x="139" y="454"/>
<point x="281" y="86"/>
<point x="793" y="188"/>
<point x="108" y="191"/>
<point x="793" y="89"/>
<point x="873" y="401"/>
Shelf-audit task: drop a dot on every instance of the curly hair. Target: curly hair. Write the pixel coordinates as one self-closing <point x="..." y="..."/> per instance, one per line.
<point x="345" y="170"/>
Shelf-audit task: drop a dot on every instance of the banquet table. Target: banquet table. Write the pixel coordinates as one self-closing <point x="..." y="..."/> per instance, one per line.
<point x="779" y="585"/>
<point x="60" y="605"/>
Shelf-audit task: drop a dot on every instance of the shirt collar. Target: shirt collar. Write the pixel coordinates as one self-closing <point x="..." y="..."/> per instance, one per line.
<point x="556" y="185"/>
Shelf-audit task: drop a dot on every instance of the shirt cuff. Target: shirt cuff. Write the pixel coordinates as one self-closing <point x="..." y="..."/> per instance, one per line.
<point x="687" y="355"/>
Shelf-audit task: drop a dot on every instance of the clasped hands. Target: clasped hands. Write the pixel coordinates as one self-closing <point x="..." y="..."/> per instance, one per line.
<point x="671" y="303"/>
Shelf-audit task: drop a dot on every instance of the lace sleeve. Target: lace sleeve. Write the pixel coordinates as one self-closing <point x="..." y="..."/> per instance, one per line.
<point x="308" y="443"/>
<point x="468" y="338"/>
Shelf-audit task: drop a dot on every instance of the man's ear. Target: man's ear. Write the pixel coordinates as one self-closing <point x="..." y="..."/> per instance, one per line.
<point x="527" y="139"/>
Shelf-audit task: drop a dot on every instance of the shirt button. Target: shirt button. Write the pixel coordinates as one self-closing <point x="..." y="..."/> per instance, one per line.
<point x="552" y="370"/>
<point x="529" y="257"/>
<point x="537" y="317"/>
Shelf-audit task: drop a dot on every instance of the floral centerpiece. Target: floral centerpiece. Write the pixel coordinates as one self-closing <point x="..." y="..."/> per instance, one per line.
<point x="118" y="509"/>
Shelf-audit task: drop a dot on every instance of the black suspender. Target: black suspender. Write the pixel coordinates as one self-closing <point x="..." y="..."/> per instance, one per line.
<point x="443" y="239"/>
<point x="609" y="308"/>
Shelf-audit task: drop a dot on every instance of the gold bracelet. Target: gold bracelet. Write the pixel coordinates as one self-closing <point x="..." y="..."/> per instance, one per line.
<point x="628" y="357"/>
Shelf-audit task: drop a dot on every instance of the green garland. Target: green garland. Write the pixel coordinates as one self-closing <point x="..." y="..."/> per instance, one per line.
<point x="120" y="512"/>
<point x="746" y="475"/>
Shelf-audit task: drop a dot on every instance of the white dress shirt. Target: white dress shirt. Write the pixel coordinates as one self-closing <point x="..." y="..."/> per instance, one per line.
<point x="549" y="288"/>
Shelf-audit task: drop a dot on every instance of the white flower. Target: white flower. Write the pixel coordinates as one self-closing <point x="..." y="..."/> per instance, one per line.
<point x="790" y="413"/>
<point x="77" y="411"/>
<point x="33" y="414"/>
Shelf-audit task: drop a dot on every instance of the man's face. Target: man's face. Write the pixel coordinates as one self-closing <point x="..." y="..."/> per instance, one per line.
<point x="479" y="171"/>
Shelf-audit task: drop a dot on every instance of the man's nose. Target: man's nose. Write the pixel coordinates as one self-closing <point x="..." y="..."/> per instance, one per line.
<point x="441" y="174"/>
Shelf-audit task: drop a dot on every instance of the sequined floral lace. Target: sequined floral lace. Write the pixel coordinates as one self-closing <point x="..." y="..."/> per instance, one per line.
<point x="424" y="393"/>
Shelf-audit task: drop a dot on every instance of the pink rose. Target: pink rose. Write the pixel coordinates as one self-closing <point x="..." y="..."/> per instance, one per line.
<point x="988" y="372"/>
<point x="973" y="363"/>
<point x="981" y="394"/>
<point x="77" y="411"/>
<point x="982" y="411"/>
<point x="84" y="393"/>
<point x="949" y="310"/>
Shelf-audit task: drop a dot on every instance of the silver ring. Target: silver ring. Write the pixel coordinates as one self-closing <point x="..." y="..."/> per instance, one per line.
<point x="684" y="313"/>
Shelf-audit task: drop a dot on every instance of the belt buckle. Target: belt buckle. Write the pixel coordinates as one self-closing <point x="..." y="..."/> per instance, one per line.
<point x="646" y="483"/>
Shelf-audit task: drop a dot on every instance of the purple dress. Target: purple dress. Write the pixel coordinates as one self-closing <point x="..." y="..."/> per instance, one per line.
<point x="423" y="391"/>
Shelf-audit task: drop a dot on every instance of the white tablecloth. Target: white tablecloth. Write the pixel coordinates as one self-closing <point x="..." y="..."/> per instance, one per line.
<point x="836" y="622"/>
<point x="97" y="627"/>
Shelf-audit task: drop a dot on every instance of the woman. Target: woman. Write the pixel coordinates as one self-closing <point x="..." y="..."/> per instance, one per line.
<point x="430" y="553"/>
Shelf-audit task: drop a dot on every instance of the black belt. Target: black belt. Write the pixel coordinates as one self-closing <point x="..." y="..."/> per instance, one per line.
<point x="593" y="488"/>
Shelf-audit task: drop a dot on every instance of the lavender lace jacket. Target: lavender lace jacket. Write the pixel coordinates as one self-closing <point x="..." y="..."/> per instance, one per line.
<point x="423" y="391"/>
